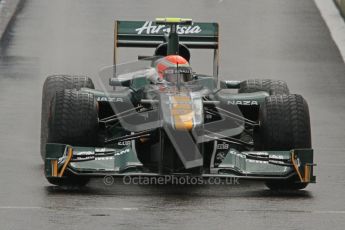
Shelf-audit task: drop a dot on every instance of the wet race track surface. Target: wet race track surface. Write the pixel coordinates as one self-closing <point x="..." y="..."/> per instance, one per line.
<point x="277" y="39"/>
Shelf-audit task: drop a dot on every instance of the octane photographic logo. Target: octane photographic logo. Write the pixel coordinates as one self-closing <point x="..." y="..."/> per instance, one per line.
<point x="172" y="180"/>
<point x="149" y="28"/>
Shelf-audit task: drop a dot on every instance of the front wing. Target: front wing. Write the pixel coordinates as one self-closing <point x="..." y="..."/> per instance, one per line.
<point x="97" y="162"/>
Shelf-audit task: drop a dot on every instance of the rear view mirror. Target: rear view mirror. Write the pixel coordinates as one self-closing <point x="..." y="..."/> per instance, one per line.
<point x="117" y="82"/>
<point x="226" y="84"/>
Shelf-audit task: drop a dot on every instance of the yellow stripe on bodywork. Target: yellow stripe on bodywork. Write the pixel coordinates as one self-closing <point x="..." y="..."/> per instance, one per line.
<point x="182" y="112"/>
<point x="182" y="106"/>
<point x="178" y="99"/>
<point x="69" y="157"/>
<point x="54" y="168"/>
<point x="183" y="124"/>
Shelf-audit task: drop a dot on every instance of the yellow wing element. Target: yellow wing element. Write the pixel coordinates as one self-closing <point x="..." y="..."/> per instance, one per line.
<point x="55" y="167"/>
<point x="307" y="169"/>
<point x="186" y="21"/>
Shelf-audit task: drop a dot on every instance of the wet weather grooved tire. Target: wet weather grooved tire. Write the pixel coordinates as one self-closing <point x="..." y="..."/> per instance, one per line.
<point x="284" y="125"/>
<point x="273" y="87"/>
<point x="74" y="118"/>
<point x="51" y="85"/>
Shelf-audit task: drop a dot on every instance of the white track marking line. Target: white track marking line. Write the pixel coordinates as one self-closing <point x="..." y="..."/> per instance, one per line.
<point x="109" y="209"/>
<point x="74" y="208"/>
<point x="296" y="211"/>
<point x="330" y="212"/>
<point x="335" y="23"/>
<point x="20" y="207"/>
<point x="136" y="209"/>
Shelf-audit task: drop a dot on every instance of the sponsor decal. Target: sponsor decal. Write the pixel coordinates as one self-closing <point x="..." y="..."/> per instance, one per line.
<point x="223" y="146"/>
<point x="86" y="153"/>
<point x="117" y="153"/>
<point x="104" y="158"/>
<point x="178" y="71"/>
<point x="110" y="99"/>
<point x="149" y="28"/>
<point x="124" y="143"/>
<point x="243" y="103"/>
<point x="100" y="149"/>
<point x="278" y="157"/>
<point x="83" y="156"/>
<point x="121" y="152"/>
<point x="257" y="161"/>
<point x="260" y="153"/>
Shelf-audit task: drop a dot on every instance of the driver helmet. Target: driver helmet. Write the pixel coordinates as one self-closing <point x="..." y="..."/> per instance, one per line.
<point x="171" y="66"/>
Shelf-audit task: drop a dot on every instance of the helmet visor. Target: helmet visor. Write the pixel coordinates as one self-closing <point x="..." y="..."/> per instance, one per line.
<point x="173" y="74"/>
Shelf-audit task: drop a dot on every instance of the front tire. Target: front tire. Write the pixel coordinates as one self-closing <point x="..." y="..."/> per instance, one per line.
<point x="51" y="85"/>
<point x="74" y="121"/>
<point x="284" y="125"/>
<point x="74" y="118"/>
<point x="69" y="181"/>
<point x="290" y="184"/>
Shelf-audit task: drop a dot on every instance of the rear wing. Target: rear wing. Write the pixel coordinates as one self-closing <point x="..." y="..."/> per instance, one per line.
<point x="149" y="34"/>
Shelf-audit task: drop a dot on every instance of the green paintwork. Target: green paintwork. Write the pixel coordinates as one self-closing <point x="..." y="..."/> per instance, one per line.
<point x="230" y="84"/>
<point x="122" y="96"/>
<point x="227" y="97"/>
<point x="235" y="163"/>
<point x="341" y="6"/>
<point x="139" y="82"/>
<point x="128" y="30"/>
<point x="238" y="160"/>
<point x="207" y="81"/>
<point x="173" y="41"/>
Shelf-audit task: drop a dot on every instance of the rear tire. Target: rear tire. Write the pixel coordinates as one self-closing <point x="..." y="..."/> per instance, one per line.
<point x="284" y="125"/>
<point x="273" y="87"/>
<point x="51" y="85"/>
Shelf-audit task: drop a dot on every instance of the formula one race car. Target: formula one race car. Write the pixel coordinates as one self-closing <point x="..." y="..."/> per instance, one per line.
<point x="156" y="117"/>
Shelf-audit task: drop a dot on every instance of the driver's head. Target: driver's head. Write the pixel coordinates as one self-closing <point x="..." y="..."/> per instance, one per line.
<point x="171" y="66"/>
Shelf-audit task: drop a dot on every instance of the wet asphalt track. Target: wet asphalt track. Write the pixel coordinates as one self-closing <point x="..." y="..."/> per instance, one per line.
<point x="283" y="39"/>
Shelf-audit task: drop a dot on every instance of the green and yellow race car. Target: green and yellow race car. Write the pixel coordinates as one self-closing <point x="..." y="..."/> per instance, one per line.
<point x="156" y="117"/>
